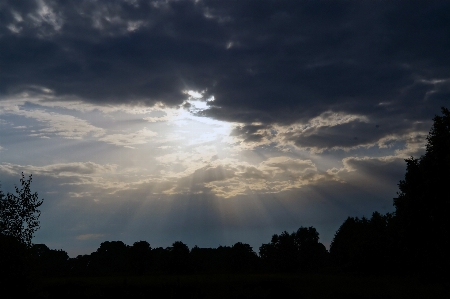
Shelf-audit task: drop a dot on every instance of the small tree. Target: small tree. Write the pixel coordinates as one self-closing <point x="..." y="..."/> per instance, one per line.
<point x="19" y="214"/>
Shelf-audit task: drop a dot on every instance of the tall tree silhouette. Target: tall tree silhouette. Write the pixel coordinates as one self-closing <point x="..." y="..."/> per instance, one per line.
<point x="423" y="202"/>
<point x="19" y="219"/>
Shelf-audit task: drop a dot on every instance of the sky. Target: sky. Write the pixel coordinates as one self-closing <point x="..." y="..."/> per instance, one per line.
<point x="214" y="122"/>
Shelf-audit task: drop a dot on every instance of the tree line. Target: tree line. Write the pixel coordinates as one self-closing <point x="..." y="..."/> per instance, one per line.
<point x="299" y="251"/>
<point x="413" y="240"/>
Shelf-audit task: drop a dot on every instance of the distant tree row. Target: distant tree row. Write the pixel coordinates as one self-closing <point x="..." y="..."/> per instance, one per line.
<point x="296" y="252"/>
<point x="116" y="257"/>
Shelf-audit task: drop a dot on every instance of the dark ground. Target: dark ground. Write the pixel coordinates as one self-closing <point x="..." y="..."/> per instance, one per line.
<point x="240" y="286"/>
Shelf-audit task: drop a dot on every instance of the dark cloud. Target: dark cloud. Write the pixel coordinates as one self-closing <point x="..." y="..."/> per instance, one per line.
<point x="379" y="170"/>
<point x="264" y="61"/>
<point x="250" y="133"/>
<point x="118" y="51"/>
<point x="351" y="135"/>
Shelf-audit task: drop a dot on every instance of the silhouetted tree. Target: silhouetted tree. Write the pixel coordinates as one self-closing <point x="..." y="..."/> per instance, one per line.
<point x="19" y="213"/>
<point x="423" y="203"/>
<point x="364" y="245"/>
<point x="81" y="266"/>
<point x="179" y="258"/>
<point x="110" y="258"/>
<point x="160" y="260"/>
<point x="50" y="262"/>
<point x="140" y="257"/>
<point x="15" y="275"/>
<point x="243" y="258"/>
<point x="281" y="253"/>
<point x="19" y="219"/>
<point x="223" y="254"/>
<point x="298" y="251"/>
<point x="205" y="260"/>
<point x="312" y="253"/>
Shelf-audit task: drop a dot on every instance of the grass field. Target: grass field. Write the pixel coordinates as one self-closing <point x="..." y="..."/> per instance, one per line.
<point x="239" y="286"/>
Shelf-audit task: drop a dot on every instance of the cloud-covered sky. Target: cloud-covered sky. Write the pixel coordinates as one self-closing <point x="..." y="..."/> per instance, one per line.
<point x="213" y="122"/>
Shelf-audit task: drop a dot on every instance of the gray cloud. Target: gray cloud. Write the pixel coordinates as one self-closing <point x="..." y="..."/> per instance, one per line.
<point x="270" y="62"/>
<point x="115" y="52"/>
<point x="370" y="172"/>
<point x="250" y="132"/>
<point x="352" y="134"/>
<point x="265" y="61"/>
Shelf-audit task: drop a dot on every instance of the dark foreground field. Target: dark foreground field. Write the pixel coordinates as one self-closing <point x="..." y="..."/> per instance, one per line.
<point x="240" y="286"/>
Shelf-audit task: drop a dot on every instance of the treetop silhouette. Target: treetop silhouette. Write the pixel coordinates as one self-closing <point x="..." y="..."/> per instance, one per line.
<point x="19" y="213"/>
